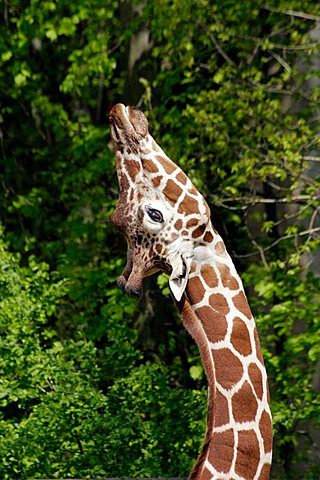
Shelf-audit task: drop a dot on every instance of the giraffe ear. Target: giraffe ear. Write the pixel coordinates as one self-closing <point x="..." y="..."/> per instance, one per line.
<point x="178" y="280"/>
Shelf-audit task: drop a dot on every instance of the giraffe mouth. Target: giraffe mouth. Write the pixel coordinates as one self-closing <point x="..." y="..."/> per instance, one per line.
<point x="134" y="291"/>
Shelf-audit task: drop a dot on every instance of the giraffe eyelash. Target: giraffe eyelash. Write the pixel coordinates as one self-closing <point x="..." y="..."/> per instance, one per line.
<point x="155" y="215"/>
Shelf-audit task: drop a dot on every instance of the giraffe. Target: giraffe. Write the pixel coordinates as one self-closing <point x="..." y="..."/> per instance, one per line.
<point x="167" y="225"/>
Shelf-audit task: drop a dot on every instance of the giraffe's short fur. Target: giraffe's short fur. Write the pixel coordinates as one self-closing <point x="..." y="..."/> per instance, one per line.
<point x="167" y="225"/>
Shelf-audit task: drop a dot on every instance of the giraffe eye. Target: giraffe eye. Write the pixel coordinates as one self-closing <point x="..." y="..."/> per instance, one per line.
<point x="155" y="215"/>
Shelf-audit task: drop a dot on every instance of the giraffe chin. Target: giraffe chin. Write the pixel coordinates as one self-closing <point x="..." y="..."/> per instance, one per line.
<point x="132" y="290"/>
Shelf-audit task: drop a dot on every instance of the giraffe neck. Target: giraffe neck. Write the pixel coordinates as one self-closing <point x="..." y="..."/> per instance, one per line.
<point x="216" y="313"/>
<point x="209" y="293"/>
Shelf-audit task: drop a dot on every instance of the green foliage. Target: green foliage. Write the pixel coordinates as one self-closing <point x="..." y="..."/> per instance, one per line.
<point x="230" y="94"/>
<point x="288" y="320"/>
<point x="68" y="408"/>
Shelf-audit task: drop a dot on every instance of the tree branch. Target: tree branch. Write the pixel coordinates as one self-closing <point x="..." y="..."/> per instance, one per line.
<point x="311" y="158"/>
<point x="308" y="232"/>
<point x="280" y="60"/>
<point x="293" y="13"/>
<point x="282" y="46"/>
<point x="221" y="51"/>
<point x="256" y="200"/>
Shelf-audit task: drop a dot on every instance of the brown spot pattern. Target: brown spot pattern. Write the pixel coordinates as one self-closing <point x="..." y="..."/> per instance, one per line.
<point x="196" y="290"/>
<point x="228" y="368"/>
<point x="248" y="455"/>
<point x="240" y="337"/>
<point x="199" y="231"/>
<point x="158" y="248"/>
<point x="208" y="237"/>
<point x="133" y="167"/>
<point x="258" y="347"/>
<point x="156" y="181"/>
<point x="149" y="165"/>
<point x="172" y="191"/>
<point x="265" y="472"/>
<point x="188" y="206"/>
<point x="241" y="303"/>
<point x="268" y="395"/>
<point x="193" y="190"/>
<point x="214" y="324"/>
<point x="123" y="179"/>
<point x="182" y="177"/>
<point x="221" y="454"/>
<point x="167" y="164"/>
<point x="178" y="224"/>
<point x="222" y="410"/>
<point x="228" y="281"/>
<point x="206" y="474"/>
<point x="265" y="426"/>
<point x="192" y="222"/>
<point x="256" y="379"/>
<point x="209" y="276"/>
<point x="193" y="267"/>
<point x="220" y="247"/>
<point x="244" y="404"/>
<point x="219" y="303"/>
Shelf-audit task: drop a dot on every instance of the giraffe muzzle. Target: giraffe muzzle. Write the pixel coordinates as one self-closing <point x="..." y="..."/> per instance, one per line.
<point x="132" y="290"/>
<point x="128" y="125"/>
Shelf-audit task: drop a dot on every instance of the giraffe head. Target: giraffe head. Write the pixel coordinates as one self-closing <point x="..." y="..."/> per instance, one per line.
<point x="162" y="215"/>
